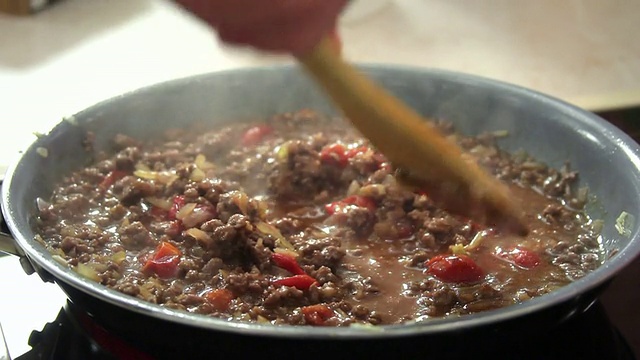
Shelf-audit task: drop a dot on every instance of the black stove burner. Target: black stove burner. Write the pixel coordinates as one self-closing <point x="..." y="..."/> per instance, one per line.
<point x="74" y="335"/>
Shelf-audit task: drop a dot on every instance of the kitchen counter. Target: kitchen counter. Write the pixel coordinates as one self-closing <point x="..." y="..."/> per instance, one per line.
<point x="80" y="52"/>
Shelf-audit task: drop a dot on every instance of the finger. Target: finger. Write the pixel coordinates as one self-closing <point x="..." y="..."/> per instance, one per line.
<point x="295" y="31"/>
<point x="335" y="40"/>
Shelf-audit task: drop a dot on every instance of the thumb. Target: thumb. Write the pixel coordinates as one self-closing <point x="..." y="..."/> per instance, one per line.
<point x="335" y="40"/>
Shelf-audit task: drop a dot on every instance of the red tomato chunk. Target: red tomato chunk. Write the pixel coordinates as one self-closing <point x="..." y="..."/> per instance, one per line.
<point x="164" y="261"/>
<point x="521" y="257"/>
<point x="316" y="314"/>
<point x="220" y="299"/>
<point x="354" y="200"/>
<point x="454" y="269"/>
<point x="178" y="203"/>
<point x="300" y="282"/>
<point x="334" y="154"/>
<point x="256" y="134"/>
<point x="288" y="263"/>
<point x="111" y="179"/>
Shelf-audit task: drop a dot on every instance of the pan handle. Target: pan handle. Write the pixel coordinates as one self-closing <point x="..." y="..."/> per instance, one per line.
<point x="8" y="245"/>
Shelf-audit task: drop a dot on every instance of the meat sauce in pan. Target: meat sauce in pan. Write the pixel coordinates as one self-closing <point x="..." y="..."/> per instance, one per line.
<point x="298" y="220"/>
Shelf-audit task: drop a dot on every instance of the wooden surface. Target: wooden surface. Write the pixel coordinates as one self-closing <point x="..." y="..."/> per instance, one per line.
<point x="78" y="52"/>
<point x="583" y="51"/>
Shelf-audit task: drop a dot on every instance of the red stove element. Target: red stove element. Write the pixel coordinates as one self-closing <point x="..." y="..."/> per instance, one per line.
<point x="74" y="335"/>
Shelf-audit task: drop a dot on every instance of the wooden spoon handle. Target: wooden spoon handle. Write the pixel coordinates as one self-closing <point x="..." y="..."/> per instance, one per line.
<point x="409" y="142"/>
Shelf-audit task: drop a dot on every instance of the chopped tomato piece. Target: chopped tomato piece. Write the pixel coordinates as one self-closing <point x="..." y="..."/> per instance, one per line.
<point x="255" y="134"/>
<point x="355" y="151"/>
<point x="288" y="263"/>
<point x="166" y="249"/>
<point x="316" y="314"/>
<point x="164" y="261"/>
<point x="300" y="282"/>
<point x="454" y="269"/>
<point x="178" y="203"/>
<point x="338" y="154"/>
<point x="521" y="257"/>
<point x="111" y="179"/>
<point x="220" y="299"/>
<point x="341" y="206"/>
<point x="334" y="154"/>
<point x="165" y="267"/>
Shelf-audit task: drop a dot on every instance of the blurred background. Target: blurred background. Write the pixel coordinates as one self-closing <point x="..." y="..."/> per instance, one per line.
<point x="60" y="57"/>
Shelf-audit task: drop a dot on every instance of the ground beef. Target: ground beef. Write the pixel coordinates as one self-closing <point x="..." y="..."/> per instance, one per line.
<point x="299" y="220"/>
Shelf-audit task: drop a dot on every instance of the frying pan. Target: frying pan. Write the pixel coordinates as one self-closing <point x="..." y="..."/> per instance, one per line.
<point x="547" y="128"/>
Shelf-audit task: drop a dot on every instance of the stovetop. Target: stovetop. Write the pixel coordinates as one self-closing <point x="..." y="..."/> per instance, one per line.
<point x="590" y="335"/>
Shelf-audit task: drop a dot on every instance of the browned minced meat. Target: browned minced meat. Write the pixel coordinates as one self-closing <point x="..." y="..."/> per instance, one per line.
<point x="192" y="222"/>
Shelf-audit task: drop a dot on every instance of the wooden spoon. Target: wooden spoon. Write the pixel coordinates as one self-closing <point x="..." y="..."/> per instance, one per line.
<point x="428" y="160"/>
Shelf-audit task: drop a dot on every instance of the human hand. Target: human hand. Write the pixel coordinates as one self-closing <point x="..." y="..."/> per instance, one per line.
<point x="290" y="26"/>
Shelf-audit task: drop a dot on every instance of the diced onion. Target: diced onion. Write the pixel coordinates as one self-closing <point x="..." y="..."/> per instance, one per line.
<point x="145" y="292"/>
<point x="199" y="235"/>
<point x="60" y="259"/>
<point x="143" y="167"/>
<point x="185" y="211"/>
<point x="373" y="190"/>
<point x="164" y="177"/>
<point x="240" y="199"/>
<point x="167" y="177"/>
<point x="367" y="327"/>
<point x="284" y="251"/>
<point x="483" y="151"/>
<point x="269" y="229"/>
<point x="87" y="271"/>
<point x="262" y="209"/>
<point x="476" y="241"/>
<point x="119" y="257"/>
<point x="353" y="188"/>
<point x="582" y="194"/>
<point x="146" y="174"/>
<point x="39" y="239"/>
<point x="202" y="163"/>
<point x="70" y="231"/>
<point x="500" y="133"/>
<point x="71" y="120"/>
<point x="199" y="215"/>
<point x="99" y="267"/>
<point x="597" y="225"/>
<point x="42" y="204"/>
<point x="197" y="175"/>
<point x="624" y="223"/>
<point x="458" y="249"/>
<point x="282" y="152"/>
<point x="532" y="165"/>
<point x="163" y="204"/>
<point x="42" y="151"/>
